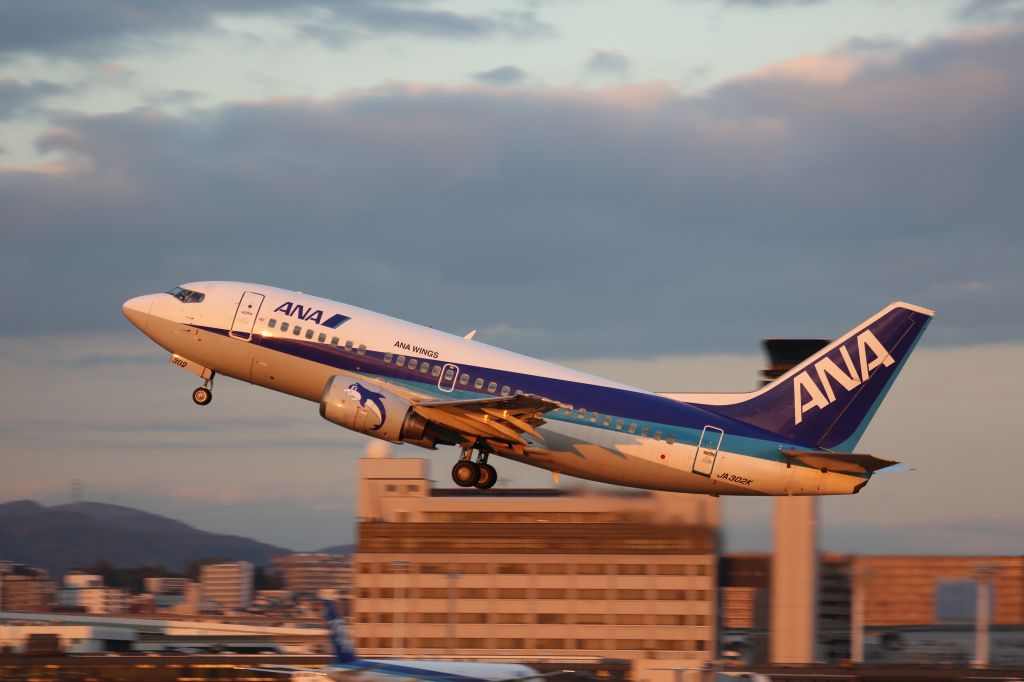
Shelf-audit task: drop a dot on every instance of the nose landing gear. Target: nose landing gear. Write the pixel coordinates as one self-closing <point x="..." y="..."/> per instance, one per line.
<point x="479" y="474"/>
<point x="204" y="394"/>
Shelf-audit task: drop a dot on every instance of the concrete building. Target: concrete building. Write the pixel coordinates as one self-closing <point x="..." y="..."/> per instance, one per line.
<point x="227" y="586"/>
<point x="32" y="592"/>
<point x="531" y="573"/>
<point x="166" y="586"/>
<point x="310" y="572"/>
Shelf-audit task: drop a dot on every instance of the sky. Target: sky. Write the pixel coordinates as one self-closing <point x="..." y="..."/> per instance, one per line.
<point x="643" y="192"/>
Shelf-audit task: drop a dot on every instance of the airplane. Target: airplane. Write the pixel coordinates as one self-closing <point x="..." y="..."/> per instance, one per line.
<point x="346" y="665"/>
<point x="405" y="383"/>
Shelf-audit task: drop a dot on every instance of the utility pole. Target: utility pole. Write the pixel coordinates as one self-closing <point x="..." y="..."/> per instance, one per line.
<point x="860" y="576"/>
<point x="983" y="575"/>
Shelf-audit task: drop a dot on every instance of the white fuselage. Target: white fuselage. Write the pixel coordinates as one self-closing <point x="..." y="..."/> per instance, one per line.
<point x="613" y="432"/>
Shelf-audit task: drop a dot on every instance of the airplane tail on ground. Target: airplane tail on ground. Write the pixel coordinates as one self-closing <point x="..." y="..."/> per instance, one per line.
<point x="828" y="400"/>
<point x="341" y="643"/>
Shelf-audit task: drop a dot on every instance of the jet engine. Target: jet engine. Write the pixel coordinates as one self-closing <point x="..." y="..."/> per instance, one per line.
<point x="372" y="410"/>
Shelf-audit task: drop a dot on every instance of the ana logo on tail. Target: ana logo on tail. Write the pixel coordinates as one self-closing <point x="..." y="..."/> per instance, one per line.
<point x="854" y="374"/>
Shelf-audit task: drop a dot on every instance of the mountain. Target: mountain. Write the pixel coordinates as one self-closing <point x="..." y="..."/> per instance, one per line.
<point x="75" y="535"/>
<point x="338" y="549"/>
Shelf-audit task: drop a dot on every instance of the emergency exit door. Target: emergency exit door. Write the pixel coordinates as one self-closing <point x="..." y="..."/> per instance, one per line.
<point x="707" y="450"/>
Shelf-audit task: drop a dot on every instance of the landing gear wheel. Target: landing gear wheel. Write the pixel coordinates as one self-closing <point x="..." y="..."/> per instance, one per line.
<point x="202" y="396"/>
<point x="465" y="473"/>
<point x="486" y="478"/>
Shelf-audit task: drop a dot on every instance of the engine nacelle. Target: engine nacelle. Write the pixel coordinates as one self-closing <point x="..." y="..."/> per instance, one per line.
<point x="372" y="410"/>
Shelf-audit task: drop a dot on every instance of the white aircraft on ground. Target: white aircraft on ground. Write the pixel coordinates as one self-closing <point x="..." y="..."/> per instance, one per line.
<point x="348" y="667"/>
<point x="405" y="383"/>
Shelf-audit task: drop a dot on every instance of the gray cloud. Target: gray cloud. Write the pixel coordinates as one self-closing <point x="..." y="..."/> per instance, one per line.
<point x="17" y="98"/>
<point x="608" y="63"/>
<point x="992" y="10"/>
<point x="561" y="222"/>
<point x="100" y="27"/>
<point x="502" y="76"/>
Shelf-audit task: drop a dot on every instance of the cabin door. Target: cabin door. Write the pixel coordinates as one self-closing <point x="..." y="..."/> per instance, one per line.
<point x="707" y="450"/>
<point x="449" y="373"/>
<point x="245" y="315"/>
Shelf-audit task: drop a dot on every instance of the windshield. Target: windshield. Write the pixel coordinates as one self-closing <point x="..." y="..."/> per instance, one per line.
<point x="186" y="295"/>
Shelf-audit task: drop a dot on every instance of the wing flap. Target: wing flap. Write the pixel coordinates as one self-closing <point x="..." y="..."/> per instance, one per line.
<point x="504" y="418"/>
<point x="842" y="462"/>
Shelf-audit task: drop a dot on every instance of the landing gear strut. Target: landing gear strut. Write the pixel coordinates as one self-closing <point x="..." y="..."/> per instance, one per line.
<point x="479" y="474"/>
<point x="204" y="394"/>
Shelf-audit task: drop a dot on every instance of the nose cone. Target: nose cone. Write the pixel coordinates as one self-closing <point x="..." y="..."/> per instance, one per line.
<point x="137" y="310"/>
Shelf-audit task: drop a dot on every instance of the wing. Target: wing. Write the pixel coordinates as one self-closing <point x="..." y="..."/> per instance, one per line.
<point x="284" y="669"/>
<point x="503" y="419"/>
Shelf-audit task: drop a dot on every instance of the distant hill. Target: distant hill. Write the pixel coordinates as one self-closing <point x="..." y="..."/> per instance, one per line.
<point x="67" y="536"/>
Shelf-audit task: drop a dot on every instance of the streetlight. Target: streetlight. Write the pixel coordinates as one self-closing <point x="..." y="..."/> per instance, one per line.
<point x="861" y="575"/>
<point x="983" y="575"/>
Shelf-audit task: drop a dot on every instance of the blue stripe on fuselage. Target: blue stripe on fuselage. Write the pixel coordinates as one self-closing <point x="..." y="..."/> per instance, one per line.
<point x="682" y="420"/>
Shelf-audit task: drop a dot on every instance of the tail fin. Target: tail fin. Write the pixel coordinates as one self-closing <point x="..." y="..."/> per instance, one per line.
<point x="828" y="400"/>
<point x="341" y="644"/>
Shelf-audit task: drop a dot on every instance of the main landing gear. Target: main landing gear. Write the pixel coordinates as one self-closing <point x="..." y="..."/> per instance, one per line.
<point x="204" y="394"/>
<point x="479" y="474"/>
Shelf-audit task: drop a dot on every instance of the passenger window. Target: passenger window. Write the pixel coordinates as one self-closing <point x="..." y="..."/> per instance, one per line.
<point x="607" y="420"/>
<point x="296" y="330"/>
<point x="644" y="431"/>
<point x="400" y="361"/>
<point x="412" y="363"/>
<point x="387" y="357"/>
<point x="618" y="423"/>
<point x="632" y="427"/>
<point x="284" y="326"/>
<point x="362" y="349"/>
<point x="479" y="383"/>
<point x="424" y="367"/>
<point x="322" y="338"/>
<point x="449" y="374"/>
<point x="272" y="323"/>
<point x="436" y="371"/>
<point x="505" y="390"/>
<point x="582" y="414"/>
<point x="348" y="345"/>
<point x="594" y="416"/>
<point x="518" y="392"/>
<point x="670" y="440"/>
<point x="309" y="333"/>
<point x="657" y="435"/>
<point x="492" y="387"/>
<point x="463" y="378"/>
<point x="334" y="341"/>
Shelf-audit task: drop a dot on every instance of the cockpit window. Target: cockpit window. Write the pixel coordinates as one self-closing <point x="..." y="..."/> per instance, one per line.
<point x="187" y="295"/>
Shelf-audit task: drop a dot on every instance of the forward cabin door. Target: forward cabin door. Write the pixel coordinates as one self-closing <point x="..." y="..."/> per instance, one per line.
<point x="245" y="315"/>
<point x="707" y="450"/>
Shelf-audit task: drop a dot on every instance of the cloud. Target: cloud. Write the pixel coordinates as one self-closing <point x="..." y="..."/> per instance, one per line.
<point x="992" y="10"/>
<point x="18" y="98"/>
<point x="608" y="64"/>
<point x="502" y="76"/>
<point x="561" y="221"/>
<point x="96" y="28"/>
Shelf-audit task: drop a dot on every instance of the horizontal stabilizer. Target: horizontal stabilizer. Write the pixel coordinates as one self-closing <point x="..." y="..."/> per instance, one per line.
<point x="842" y="462"/>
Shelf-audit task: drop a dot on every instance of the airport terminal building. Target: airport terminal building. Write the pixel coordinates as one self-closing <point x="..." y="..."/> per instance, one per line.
<point x="527" y="574"/>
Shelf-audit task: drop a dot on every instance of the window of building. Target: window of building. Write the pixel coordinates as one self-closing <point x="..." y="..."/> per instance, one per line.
<point x="590" y="594"/>
<point x="550" y="643"/>
<point x="511" y="618"/>
<point x="592" y="644"/>
<point x="672" y="595"/>
<point x="629" y="644"/>
<point x="590" y="569"/>
<point x="309" y="333"/>
<point x="272" y="323"/>
<point x="632" y="569"/>
<point x="550" y="618"/>
<point x="669" y="619"/>
<point x="513" y="569"/>
<point x="673" y="569"/>
<point x="479" y="383"/>
<point x="477" y="618"/>
<point x="632" y="595"/>
<point x="474" y="593"/>
<point x="510" y="643"/>
<point x="591" y="619"/>
<point x="629" y="619"/>
<point x="551" y="593"/>
<point x="492" y="387"/>
<point x="512" y="593"/>
<point x="551" y="569"/>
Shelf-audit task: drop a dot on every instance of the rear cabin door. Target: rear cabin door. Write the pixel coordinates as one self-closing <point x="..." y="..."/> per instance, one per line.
<point x="245" y="315"/>
<point x="707" y="450"/>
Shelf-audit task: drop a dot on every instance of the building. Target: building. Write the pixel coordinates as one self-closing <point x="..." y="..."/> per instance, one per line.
<point x="166" y="586"/>
<point x="310" y="572"/>
<point x="227" y="586"/>
<point x="531" y="573"/>
<point x="26" y="589"/>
